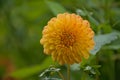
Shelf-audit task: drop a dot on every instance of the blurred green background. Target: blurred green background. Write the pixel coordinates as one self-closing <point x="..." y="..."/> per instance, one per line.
<point x="21" y="24"/>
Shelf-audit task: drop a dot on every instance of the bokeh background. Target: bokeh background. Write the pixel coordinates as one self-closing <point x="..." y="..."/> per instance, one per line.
<point x="21" y="24"/>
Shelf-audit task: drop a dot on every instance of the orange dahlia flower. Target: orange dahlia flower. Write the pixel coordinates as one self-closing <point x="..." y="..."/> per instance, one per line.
<point x="67" y="38"/>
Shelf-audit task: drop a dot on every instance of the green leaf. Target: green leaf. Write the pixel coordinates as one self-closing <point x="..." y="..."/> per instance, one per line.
<point x="101" y="40"/>
<point x="55" y="7"/>
<point x="49" y="70"/>
<point x="93" y="20"/>
<point x="51" y="78"/>
<point x="29" y="71"/>
<point x="90" y="18"/>
<point x="80" y="12"/>
<point x="106" y="28"/>
<point x="75" y="67"/>
<point x="114" y="47"/>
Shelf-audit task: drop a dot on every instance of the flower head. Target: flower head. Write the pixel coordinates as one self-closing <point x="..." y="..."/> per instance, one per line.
<point x="67" y="38"/>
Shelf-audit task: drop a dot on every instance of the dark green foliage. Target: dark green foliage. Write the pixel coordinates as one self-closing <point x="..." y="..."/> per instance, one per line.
<point x="21" y="24"/>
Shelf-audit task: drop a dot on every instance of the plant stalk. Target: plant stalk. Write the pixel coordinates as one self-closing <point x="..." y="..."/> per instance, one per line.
<point x="68" y="72"/>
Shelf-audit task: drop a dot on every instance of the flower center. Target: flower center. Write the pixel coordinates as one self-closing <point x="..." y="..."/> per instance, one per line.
<point x="67" y="39"/>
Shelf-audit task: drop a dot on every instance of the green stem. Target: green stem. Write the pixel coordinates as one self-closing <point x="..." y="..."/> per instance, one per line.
<point x="68" y="72"/>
